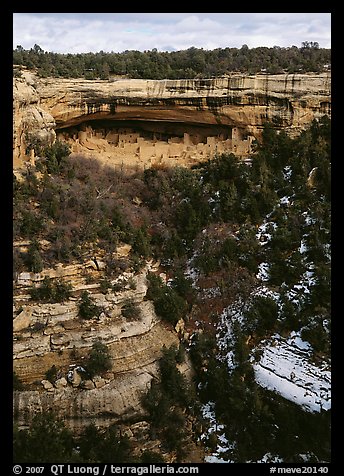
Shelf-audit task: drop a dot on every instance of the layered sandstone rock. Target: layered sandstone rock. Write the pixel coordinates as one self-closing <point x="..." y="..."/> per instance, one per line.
<point x="237" y="100"/>
<point x="52" y="334"/>
<point x="240" y="101"/>
<point x="30" y="121"/>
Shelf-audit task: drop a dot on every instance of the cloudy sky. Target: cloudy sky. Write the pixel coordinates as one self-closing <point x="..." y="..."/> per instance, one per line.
<point x="85" y="32"/>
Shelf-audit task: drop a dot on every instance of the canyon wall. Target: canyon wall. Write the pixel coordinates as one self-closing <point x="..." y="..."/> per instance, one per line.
<point x="52" y="334"/>
<point x="245" y="102"/>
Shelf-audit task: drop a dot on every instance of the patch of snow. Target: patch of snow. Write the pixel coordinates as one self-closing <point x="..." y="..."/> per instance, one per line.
<point x="299" y="291"/>
<point x="191" y="272"/>
<point x="223" y="445"/>
<point x="263" y="271"/>
<point x="264" y="232"/>
<point x="215" y="459"/>
<point x="266" y="292"/>
<point x="287" y="171"/>
<point x="308" y="219"/>
<point x="230" y="358"/>
<point x="235" y="314"/>
<point x="210" y="293"/>
<point x="229" y="315"/>
<point x="307" y="280"/>
<point x="327" y="250"/>
<point x="269" y="458"/>
<point x="303" y="247"/>
<point x="285" y="368"/>
<point x="285" y="200"/>
<point x="295" y="339"/>
<point x="326" y="325"/>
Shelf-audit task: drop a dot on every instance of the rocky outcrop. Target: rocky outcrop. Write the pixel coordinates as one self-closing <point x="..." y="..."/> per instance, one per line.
<point x="119" y="399"/>
<point x="238" y="100"/>
<point x="31" y="122"/>
<point x="289" y="100"/>
<point x="52" y="334"/>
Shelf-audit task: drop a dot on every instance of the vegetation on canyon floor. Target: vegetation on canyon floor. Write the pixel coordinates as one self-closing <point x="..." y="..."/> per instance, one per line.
<point x="220" y="230"/>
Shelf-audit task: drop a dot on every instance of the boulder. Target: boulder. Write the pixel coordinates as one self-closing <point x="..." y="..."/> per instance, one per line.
<point x="87" y="385"/>
<point x="47" y="385"/>
<point x="23" y="320"/>
<point x="76" y="378"/>
<point x="98" y="381"/>
<point x="58" y="340"/>
<point x="61" y="383"/>
<point x="180" y="326"/>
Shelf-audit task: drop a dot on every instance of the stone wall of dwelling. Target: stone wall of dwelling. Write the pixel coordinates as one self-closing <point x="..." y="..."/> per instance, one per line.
<point x="190" y="146"/>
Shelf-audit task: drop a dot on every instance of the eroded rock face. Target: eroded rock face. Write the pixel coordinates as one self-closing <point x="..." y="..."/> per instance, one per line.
<point x="31" y="122"/>
<point x="52" y="334"/>
<point x="237" y="100"/>
<point x="240" y="101"/>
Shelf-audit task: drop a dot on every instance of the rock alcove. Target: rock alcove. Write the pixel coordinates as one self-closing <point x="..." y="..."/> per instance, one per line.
<point x="148" y="142"/>
<point x="176" y="122"/>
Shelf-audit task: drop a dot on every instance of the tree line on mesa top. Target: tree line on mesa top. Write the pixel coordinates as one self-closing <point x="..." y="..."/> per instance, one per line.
<point x="190" y="63"/>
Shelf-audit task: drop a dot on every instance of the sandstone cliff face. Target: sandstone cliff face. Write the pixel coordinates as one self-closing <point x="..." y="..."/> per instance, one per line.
<point x="290" y="101"/>
<point x="47" y="334"/>
<point x="238" y="100"/>
<point x="29" y="118"/>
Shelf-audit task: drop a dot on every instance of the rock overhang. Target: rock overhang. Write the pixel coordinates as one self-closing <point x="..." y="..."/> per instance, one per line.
<point x="288" y="101"/>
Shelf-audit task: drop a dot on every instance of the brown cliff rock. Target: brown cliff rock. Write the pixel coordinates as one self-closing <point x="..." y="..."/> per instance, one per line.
<point x="30" y="120"/>
<point x="52" y="334"/>
<point x="245" y="102"/>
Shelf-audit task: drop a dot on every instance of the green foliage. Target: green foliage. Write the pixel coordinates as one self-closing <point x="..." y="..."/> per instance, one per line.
<point x="187" y="221"/>
<point x="87" y="308"/>
<point x="172" y="381"/>
<point x="258" y="420"/>
<point x="55" y="155"/>
<point x="155" y="286"/>
<point x="45" y="441"/>
<point x="316" y="334"/>
<point x="207" y="259"/>
<point x="237" y="193"/>
<point x="33" y="258"/>
<point x="202" y="349"/>
<point x="228" y="200"/>
<point x="99" y="360"/>
<point x="31" y="224"/>
<point x="290" y="316"/>
<point x="170" y="306"/>
<point x="51" y="291"/>
<point x="261" y="316"/>
<point x="141" y="243"/>
<point x="51" y="374"/>
<point x="190" y="63"/>
<point x="96" y="445"/>
<point x="17" y="384"/>
<point x="48" y="440"/>
<point x="183" y="286"/>
<point x="168" y="303"/>
<point x="168" y="403"/>
<point x="131" y="310"/>
<point x="224" y="167"/>
<point x="104" y="285"/>
<point x="151" y="457"/>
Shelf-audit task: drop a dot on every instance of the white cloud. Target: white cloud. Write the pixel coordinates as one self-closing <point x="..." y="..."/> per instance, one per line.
<point x="73" y="33"/>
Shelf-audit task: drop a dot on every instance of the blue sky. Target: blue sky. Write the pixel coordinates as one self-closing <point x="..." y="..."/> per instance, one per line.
<point x="84" y="32"/>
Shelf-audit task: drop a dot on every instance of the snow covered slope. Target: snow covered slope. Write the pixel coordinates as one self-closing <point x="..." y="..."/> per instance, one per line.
<point x="285" y="367"/>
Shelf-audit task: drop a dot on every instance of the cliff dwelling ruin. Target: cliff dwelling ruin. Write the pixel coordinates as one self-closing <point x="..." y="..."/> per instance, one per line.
<point x="147" y="143"/>
<point x="142" y="123"/>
